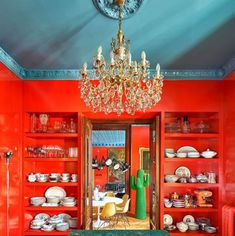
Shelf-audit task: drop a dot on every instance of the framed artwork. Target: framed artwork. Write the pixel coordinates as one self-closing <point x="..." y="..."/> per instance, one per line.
<point x="116" y="175"/>
<point x="144" y="155"/>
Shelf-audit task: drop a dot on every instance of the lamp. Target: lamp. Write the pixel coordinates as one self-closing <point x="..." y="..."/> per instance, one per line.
<point x="123" y="85"/>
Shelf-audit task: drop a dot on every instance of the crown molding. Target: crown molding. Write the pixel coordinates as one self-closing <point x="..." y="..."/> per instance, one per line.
<point x="69" y="74"/>
<point x="108" y="144"/>
<point x="229" y="66"/>
<point x="110" y="9"/>
<point x="9" y="62"/>
<point x="31" y="74"/>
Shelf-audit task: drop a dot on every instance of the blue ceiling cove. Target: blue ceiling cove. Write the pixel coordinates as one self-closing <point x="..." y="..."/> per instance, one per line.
<point x="62" y="34"/>
<point x="107" y="138"/>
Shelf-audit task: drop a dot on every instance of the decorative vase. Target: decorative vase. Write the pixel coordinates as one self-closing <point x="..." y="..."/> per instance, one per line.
<point x="139" y="185"/>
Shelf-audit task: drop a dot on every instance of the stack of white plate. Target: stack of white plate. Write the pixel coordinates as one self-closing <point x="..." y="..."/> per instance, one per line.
<point x="194" y="154"/>
<point x="36" y="224"/>
<point x="178" y="203"/>
<point x="73" y="222"/>
<point x="55" y="220"/>
<point x="37" y="201"/>
<point x="62" y="226"/>
<point x="48" y="227"/>
<point x="68" y="202"/>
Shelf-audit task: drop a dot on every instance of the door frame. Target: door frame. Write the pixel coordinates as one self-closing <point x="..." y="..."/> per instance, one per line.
<point x="106" y="124"/>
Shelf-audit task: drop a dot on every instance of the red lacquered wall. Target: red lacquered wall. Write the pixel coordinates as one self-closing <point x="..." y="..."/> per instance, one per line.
<point x="10" y="139"/>
<point x="177" y="96"/>
<point x="64" y="96"/>
<point x="139" y="139"/>
<point x="229" y="140"/>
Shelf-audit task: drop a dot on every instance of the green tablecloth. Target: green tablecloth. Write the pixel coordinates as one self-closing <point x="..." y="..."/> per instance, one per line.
<point x="119" y="233"/>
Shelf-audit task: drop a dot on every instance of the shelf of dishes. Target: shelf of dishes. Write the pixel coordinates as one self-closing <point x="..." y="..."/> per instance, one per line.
<point x="194" y="233"/>
<point x="55" y="159"/>
<point x="192" y="135"/>
<point x="51" y="123"/>
<point x="34" y="184"/>
<point x="39" y="232"/>
<point x="189" y="152"/>
<point x="51" y="135"/>
<point x="193" y="210"/>
<point x="204" y="160"/>
<point x="189" y="224"/>
<point x="43" y="222"/>
<point x="53" y="177"/>
<point x="198" y="198"/>
<point x="51" y="208"/>
<point x="186" y="124"/>
<point x="183" y="175"/>
<point x="55" y="197"/>
<point x="51" y="151"/>
<point x="191" y="185"/>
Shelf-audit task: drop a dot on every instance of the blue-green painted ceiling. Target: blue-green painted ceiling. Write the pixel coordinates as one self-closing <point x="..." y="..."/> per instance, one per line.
<point x="106" y="138"/>
<point x="62" y="34"/>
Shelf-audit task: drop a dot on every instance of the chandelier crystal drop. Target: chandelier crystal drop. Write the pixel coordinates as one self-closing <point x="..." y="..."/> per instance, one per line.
<point x="122" y="85"/>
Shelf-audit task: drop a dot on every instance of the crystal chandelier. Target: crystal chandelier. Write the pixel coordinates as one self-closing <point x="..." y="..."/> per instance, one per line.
<point x="123" y="85"/>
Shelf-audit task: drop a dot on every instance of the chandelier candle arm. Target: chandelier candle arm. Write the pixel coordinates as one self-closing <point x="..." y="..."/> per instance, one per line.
<point x="99" y="53"/>
<point x="123" y="85"/>
<point x="158" y="70"/>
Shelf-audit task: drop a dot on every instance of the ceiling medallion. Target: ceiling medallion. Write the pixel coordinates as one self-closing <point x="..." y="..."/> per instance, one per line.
<point x="110" y="9"/>
<point x="122" y="85"/>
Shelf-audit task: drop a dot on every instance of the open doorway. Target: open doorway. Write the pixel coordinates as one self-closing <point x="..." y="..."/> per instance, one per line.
<point x="119" y="150"/>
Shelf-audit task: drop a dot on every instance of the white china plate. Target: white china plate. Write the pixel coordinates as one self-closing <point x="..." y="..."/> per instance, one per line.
<point x="42" y="216"/>
<point x="46" y="204"/>
<point x="188" y="219"/>
<point x="35" y="227"/>
<point x="187" y="149"/>
<point x="168" y="220"/>
<point x="47" y="230"/>
<point x="183" y="171"/>
<point x="65" y="217"/>
<point x="55" y="191"/>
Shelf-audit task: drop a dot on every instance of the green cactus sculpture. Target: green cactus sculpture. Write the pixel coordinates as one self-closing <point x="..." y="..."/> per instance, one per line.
<point x="141" y="182"/>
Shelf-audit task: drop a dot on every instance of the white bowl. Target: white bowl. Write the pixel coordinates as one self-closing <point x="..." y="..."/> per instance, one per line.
<point x="170" y="155"/>
<point x="62" y="226"/>
<point x="208" y="154"/>
<point x="68" y="199"/>
<point x="48" y="228"/>
<point x="210" y="229"/>
<point x="182" y="227"/>
<point x="193" y="154"/>
<point x="171" y="178"/>
<point x="37" y="201"/>
<point x="73" y="222"/>
<point x="169" y="150"/>
<point x="37" y="222"/>
<point x="53" y="199"/>
<point x="168" y="204"/>
<point x="55" y="220"/>
<point x="181" y="154"/>
<point x="35" y="226"/>
<point x="68" y="204"/>
<point x="193" y="226"/>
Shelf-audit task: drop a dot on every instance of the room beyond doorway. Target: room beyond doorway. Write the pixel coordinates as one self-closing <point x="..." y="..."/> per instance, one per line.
<point x="135" y="150"/>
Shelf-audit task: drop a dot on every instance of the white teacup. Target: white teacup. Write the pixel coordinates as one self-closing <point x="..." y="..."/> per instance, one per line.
<point x="67" y="175"/>
<point x="32" y="178"/>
